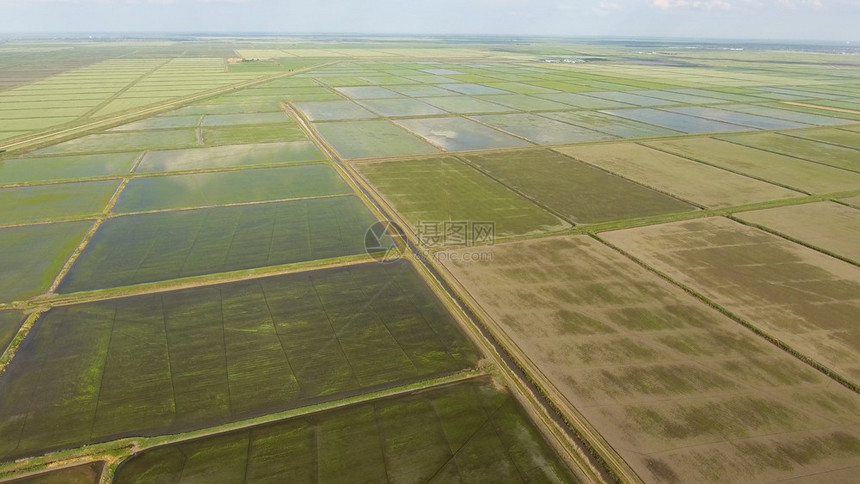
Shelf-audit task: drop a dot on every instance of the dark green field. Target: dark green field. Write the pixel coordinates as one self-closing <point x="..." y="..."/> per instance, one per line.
<point x="10" y="322"/>
<point x="578" y="191"/>
<point x="155" y="364"/>
<point x="32" y="256"/>
<point x="154" y="247"/>
<point x="468" y="432"/>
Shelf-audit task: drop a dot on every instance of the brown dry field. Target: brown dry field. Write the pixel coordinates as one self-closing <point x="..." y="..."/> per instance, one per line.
<point x="696" y="182"/>
<point x="792" y="172"/>
<point x="682" y="392"/>
<point x="853" y="201"/>
<point x="824" y="225"/>
<point x="800" y="296"/>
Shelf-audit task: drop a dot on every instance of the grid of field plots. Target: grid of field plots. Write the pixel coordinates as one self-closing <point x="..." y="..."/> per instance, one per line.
<point x="190" y="295"/>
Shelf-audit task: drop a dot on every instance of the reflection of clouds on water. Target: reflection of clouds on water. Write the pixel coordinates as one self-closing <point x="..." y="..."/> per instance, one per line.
<point x="444" y="134"/>
<point x="225" y="156"/>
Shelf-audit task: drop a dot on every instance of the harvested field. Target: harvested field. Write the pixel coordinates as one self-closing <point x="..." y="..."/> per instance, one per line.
<point x="683" y="393"/>
<point x="802" y="297"/>
<point x="691" y="181"/>
<point x="825" y="225"/>
<point x="784" y="170"/>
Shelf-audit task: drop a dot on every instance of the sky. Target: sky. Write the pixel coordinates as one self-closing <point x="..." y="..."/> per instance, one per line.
<point x="834" y="20"/>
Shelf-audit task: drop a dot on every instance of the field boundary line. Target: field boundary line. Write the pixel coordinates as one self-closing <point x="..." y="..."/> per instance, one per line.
<point x="729" y="140"/>
<point x="204" y="280"/>
<point x="765" y="228"/>
<point x="821" y="368"/>
<point x="824" y="108"/>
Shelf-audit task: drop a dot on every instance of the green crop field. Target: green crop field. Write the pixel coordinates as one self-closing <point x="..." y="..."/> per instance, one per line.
<point x="167" y="245"/>
<point x="445" y="189"/>
<point x="668" y="381"/>
<point x="32" y="256"/>
<point x="219" y="353"/>
<point x="46" y="202"/>
<point x="464" y="433"/>
<point x="578" y="191"/>
<point x="209" y="189"/>
<point x="10" y="322"/>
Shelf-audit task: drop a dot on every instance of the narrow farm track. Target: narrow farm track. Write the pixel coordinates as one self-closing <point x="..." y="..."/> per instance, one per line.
<point x="572" y="433"/>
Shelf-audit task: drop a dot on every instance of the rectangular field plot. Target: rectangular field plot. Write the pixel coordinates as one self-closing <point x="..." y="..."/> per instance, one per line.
<point x="333" y="110"/>
<point x="541" y="130"/>
<point x="372" y="139"/>
<point x="208" y="189"/>
<point x="367" y="92"/>
<point x="161" y="122"/>
<point x="244" y="118"/>
<point x="472" y="89"/>
<point x="147" y="248"/>
<point x="463" y="433"/>
<point x="163" y="363"/>
<point x="10" y="323"/>
<point x="460" y="134"/>
<point x="56" y="168"/>
<point x="689" y="180"/>
<point x="682" y="392"/>
<point x="797" y="116"/>
<point x="824" y="225"/>
<point x="576" y="190"/>
<point x="828" y="154"/>
<point x="466" y="105"/>
<point x="743" y="119"/>
<point x="54" y="202"/>
<point x="799" y="296"/>
<point x="630" y="98"/>
<point x="583" y="101"/>
<point x="523" y="102"/>
<point x="266" y="133"/>
<point x="121" y="142"/>
<point x="676" y="121"/>
<point x="32" y="256"/>
<point x="445" y="189"/>
<point x="229" y="156"/>
<point x="422" y="91"/>
<point x="401" y="107"/>
<point x="781" y="169"/>
<point x="612" y="125"/>
<point x="848" y="139"/>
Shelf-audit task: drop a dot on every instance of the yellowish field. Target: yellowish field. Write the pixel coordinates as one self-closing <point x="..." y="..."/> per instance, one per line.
<point x="682" y="392"/>
<point x="785" y="170"/>
<point x="825" y="225"/>
<point x="696" y="182"/>
<point x="802" y="297"/>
